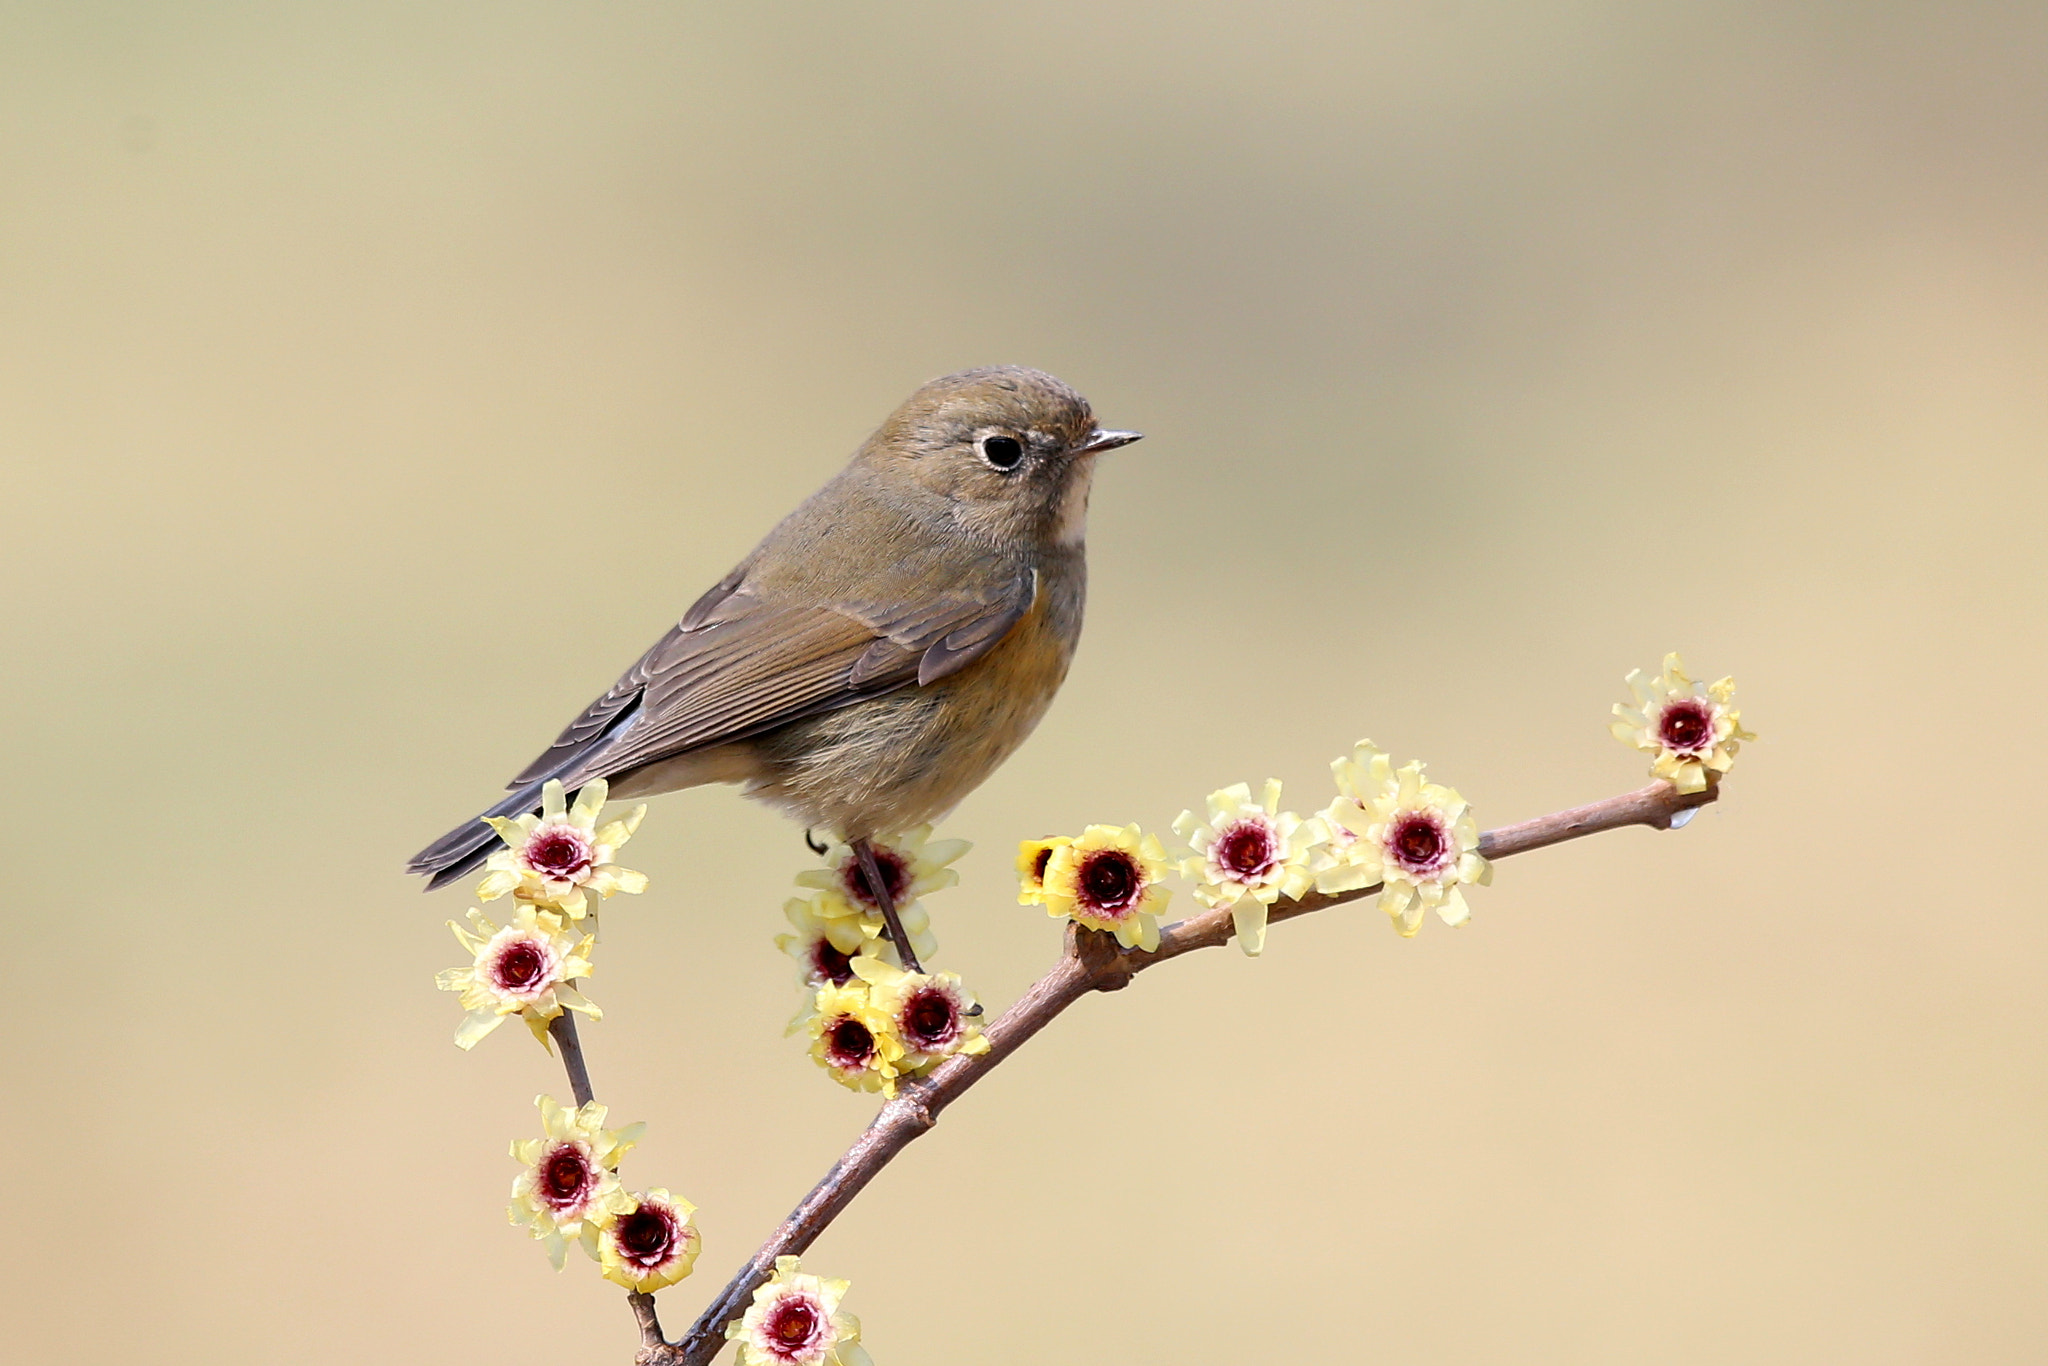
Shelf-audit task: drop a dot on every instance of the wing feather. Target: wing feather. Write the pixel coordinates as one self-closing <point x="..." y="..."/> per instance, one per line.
<point x="740" y="664"/>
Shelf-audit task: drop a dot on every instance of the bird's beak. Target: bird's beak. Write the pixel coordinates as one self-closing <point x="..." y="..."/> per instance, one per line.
<point x="1099" y="441"/>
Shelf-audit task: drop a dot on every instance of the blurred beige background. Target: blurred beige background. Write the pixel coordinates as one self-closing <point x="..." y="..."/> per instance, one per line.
<point x="377" y="379"/>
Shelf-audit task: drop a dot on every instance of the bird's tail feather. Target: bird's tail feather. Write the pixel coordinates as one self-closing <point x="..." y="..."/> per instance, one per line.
<point x="463" y="850"/>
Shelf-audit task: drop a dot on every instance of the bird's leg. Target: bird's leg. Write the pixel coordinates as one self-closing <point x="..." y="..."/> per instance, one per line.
<point x="879" y="886"/>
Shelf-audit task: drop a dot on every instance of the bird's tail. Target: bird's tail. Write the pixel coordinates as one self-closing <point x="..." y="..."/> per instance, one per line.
<point x="463" y="850"/>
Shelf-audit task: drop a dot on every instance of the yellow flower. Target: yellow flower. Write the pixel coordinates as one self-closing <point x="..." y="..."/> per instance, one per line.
<point x="651" y="1244"/>
<point x="820" y="961"/>
<point x="524" y="969"/>
<point x="795" y="1321"/>
<point x="554" y="858"/>
<point x="1108" y="879"/>
<point x="568" y="1186"/>
<point x="930" y="1013"/>
<point x="1249" y="855"/>
<point x="849" y="928"/>
<point x="1689" y="726"/>
<point x="1033" y="857"/>
<point x="1360" y="777"/>
<point x="853" y="1041"/>
<point x="912" y="865"/>
<point x="1415" y="837"/>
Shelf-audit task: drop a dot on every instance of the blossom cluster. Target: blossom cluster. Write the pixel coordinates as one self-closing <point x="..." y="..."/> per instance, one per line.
<point x="568" y="1190"/>
<point x="1414" y="839"/>
<point x="870" y="1021"/>
<point x="885" y="1024"/>
<point x="1387" y="828"/>
<point x="841" y="920"/>
<point x="551" y="864"/>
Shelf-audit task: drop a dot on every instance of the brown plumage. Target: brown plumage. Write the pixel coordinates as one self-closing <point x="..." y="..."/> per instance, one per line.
<point x="886" y="646"/>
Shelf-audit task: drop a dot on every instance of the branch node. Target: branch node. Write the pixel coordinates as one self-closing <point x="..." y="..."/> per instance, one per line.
<point x="655" y="1350"/>
<point x="1102" y="958"/>
<point x="1683" y="806"/>
<point x="1115" y="979"/>
<point x="913" y="1102"/>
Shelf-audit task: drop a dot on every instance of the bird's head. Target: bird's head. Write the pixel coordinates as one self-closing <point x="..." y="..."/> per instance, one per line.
<point x="1010" y="450"/>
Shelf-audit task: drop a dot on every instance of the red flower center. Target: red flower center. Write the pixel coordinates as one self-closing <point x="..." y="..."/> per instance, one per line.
<point x="849" y="1042"/>
<point x="648" y="1236"/>
<point x="1417" y="842"/>
<point x="1109" y="882"/>
<point x="1038" y="865"/>
<point x="828" y="964"/>
<point x="895" y="871"/>
<point x="1687" y="725"/>
<point x="1247" y="851"/>
<point x="521" y="966"/>
<point x="795" y="1324"/>
<point x="560" y="852"/>
<point x="931" y="1018"/>
<point x="566" y="1177"/>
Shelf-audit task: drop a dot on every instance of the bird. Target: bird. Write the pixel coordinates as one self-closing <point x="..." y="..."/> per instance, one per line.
<point x="881" y="651"/>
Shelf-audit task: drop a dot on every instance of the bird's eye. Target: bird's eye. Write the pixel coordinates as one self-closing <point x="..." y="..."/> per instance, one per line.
<point x="1002" y="452"/>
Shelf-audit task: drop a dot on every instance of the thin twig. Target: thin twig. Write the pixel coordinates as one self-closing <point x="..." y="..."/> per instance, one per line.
<point x="1093" y="961"/>
<point x="654" y="1349"/>
<point x="562" y="1029"/>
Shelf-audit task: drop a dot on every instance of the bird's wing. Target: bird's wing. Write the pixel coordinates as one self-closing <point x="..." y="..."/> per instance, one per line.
<point x="740" y="663"/>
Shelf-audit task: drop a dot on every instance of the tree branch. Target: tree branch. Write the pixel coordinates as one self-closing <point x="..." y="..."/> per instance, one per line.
<point x="1093" y="961"/>
<point x="562" y="1029"/>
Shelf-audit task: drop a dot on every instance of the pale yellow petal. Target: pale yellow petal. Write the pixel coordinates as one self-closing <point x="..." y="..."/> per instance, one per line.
<point x="1410" y="919"/>
<point x="1230" y="799"/>
<point x="475" y="1026"/>
<point x="1345" y="877"/>
<point x="589" y="802"/>
<point x="1248" y="917"/>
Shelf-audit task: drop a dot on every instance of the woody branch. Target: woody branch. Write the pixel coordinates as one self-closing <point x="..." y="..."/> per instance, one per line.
<point x="1092" y="961"/>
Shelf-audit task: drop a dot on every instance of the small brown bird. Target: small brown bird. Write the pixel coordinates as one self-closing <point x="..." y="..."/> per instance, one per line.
<point x="890" y="642"/>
